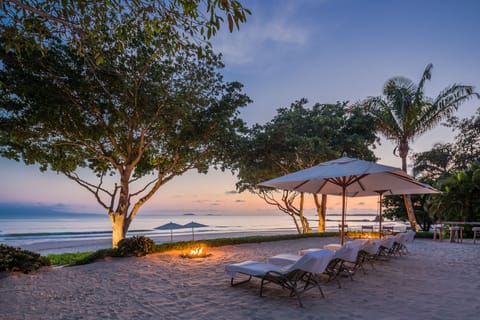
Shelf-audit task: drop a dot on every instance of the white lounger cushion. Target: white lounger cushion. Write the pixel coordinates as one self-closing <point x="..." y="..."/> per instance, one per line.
<point x="314" y="262"/>
<point x="253" y="268"/>
<point x="372" y="245"/>
<point x="388" y="241"/>
<point x="349" y="251"/>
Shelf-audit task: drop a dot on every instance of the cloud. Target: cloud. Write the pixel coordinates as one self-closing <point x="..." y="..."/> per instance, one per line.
<point x="239" y="201"/>
<point x="265" y="31"/>
<point x="231" y="192"/>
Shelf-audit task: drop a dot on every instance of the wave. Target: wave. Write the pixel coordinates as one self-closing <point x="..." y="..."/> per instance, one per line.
<point x="55" y="234"/>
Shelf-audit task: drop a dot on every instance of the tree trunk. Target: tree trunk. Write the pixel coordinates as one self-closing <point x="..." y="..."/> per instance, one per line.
<point x="403" y="151"/>
<point x="119" y="227"/>
<point x="305" y="226"/>
<point x="296" y="223"/>
<point x="321" y="211"/>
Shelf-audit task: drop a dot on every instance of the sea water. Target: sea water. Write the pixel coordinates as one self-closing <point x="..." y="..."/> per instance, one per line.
<point x="22" y="230"/>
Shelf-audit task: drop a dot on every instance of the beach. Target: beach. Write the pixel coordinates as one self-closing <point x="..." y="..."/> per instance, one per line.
<point x="436" y="280"/>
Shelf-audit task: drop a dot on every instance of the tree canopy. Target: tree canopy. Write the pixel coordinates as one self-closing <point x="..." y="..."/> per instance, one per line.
<point x="444" y="159"/>
<point x="459" y="199"/>
<point x="299" y="137"/>
<point x="82" y="24"/>
<point x="138" y="114"/>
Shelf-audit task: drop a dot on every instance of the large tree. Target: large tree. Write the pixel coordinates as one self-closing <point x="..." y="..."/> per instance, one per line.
<point x="299" y="137"/>
<point x="404" y="113"/>
<point x="137" y="120"/>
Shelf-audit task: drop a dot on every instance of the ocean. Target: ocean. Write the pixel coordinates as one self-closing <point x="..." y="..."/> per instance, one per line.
<point x="41" y="233"/>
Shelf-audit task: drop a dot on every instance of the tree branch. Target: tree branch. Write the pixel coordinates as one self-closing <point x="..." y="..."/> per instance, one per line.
<point x="45" y="15"/>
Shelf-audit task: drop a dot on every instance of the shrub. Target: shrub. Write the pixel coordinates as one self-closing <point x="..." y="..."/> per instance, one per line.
<point x="135" y="246"/>
<point x="16" y="259"/>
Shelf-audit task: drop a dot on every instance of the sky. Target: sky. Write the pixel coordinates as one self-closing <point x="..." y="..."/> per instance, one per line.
<point x="322" y="50"/>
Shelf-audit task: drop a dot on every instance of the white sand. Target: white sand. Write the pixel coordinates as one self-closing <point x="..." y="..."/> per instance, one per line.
<point x="437" y="280"/>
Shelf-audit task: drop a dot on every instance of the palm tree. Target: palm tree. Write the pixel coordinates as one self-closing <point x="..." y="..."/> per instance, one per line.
<point x="404" y="113"/>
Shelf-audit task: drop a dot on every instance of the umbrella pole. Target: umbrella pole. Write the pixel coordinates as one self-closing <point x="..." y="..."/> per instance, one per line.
<point x="344" y="204"/>
<point x="380" y="194"/>
<point x="171" y="235"/>
<point x="380" y="216"/>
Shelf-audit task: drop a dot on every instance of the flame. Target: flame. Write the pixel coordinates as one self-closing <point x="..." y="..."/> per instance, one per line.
<point x="196" y="252"/>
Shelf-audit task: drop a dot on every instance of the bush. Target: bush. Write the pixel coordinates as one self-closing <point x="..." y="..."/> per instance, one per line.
<point x="16" y="259"/>
<point x="135" y="246"/>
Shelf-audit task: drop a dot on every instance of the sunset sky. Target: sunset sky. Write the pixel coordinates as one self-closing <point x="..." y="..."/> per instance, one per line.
<point x="322" y="50"/>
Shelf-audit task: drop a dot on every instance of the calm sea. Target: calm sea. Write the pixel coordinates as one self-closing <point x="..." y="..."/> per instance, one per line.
<point x="25" y="231"/>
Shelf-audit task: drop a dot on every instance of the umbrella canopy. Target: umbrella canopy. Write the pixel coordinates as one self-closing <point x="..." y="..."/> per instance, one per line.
<point x="194" y="225"/>
<point x="349" y="177"/>
<point x="170" y="226"/>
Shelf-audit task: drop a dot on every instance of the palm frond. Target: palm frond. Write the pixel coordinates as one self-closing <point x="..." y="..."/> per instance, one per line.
<point x="381" y="111"/>
<point x="444" y="105"/>
<point x="427" y="75"/>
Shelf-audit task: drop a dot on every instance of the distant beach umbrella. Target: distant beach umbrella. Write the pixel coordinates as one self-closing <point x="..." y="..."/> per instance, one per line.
<point x="194" y="225"/>
<point x="170" y="226"/>
<point x="350" y="177"/>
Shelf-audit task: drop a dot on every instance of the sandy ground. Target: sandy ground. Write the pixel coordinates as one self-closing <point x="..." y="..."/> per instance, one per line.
<point x="437" y="280"/>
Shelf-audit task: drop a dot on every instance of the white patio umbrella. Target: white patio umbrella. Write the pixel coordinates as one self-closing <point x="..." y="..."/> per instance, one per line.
<point x="349" y="177"/>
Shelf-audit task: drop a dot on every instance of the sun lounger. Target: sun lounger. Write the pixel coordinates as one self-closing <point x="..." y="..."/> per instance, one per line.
<point x="369" y="251"/>
<point x="475" y="231"/>
<point x="399" y="244"/>
<point x="352" y="259"/>
<point x="344" y="263"/>
<point x="297" y="277"/>
<point x="386" y="246"/>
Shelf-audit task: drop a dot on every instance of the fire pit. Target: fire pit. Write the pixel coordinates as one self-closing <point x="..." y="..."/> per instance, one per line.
<point x="196" y="252"/>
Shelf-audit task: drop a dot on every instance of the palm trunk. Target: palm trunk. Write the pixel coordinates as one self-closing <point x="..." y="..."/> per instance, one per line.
<point x="406" y="197"/>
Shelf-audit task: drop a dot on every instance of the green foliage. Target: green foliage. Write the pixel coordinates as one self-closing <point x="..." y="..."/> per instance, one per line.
<point x="436" y="163"/>
<point x="466" y="147"/>
<point x="16" y="259"/>
<point x="444" y="159"/>
<point x="394" y="208"/>
<point x="94" y="256"/>
<point x="459" y="199"/>
<point x="299" y="137"/>
<point x="68" y="258"/>
<point x="135" y="246"/>
<point x="82" y="24"/>
<point x="218" y="242"/>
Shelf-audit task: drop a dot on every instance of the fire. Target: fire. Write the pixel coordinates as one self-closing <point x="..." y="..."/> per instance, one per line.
<point x="198" y="252"/>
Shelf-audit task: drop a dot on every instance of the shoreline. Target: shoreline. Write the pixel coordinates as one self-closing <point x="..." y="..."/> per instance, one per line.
<point x="84" y="245"/>
<point x="436" y="280"/>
